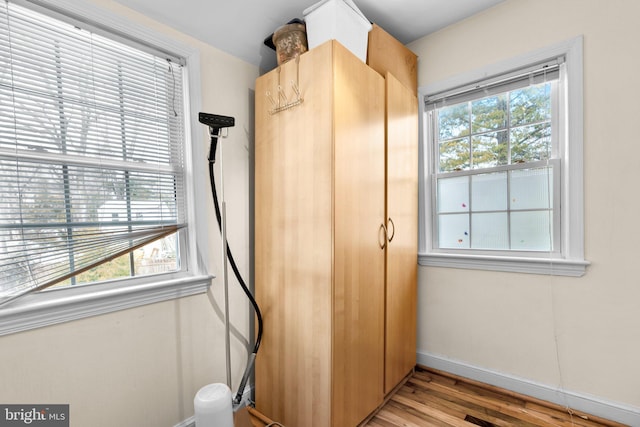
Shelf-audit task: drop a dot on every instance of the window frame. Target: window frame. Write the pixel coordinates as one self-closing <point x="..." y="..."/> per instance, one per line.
<point x="570" y="261"/>
<point x="54" y="306"/>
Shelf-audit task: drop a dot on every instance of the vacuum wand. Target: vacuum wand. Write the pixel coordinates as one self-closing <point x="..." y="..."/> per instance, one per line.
<point x="216" y="123"/>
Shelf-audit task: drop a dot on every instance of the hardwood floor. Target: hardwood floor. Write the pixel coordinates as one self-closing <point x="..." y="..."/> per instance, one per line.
<point x="257" y="419"/>
<point x="432" y="398"/>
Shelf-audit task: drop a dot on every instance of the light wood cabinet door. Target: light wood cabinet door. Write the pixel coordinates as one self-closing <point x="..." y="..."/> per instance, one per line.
<point x="402" y="226"/>
<point x="358" y="346"/>
<point x="294" y="244"/>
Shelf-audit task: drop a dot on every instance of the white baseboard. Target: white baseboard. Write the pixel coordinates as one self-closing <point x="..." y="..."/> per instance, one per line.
<point x="613" y="411"/>
<point x="191" y="421"/>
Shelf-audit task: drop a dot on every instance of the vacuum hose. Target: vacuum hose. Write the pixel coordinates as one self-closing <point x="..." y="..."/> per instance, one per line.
<point x="234" y="267"/>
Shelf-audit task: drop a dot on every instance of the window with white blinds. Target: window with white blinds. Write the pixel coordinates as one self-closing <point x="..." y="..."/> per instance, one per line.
<point x="502" y="172"/>
<point x="496" y="165"/>
<point x="91" y="156"/>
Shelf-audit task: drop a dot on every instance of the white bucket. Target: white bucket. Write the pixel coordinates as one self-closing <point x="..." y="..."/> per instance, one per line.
<point x="213" y="406"/>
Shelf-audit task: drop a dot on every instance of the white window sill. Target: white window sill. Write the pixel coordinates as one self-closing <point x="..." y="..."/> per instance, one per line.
<point x="62" y="305"/>
<point x="545" y="266"/>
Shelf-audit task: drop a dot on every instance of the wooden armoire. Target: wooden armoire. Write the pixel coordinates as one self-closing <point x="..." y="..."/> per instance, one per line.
<point x="335" y="238"/>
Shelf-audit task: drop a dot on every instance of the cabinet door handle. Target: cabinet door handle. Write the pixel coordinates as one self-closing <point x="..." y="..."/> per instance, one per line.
<point x="383" y="229"/>
<point x="393" y="229"/>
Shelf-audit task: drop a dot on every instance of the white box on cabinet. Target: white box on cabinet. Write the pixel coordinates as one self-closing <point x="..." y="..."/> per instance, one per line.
<point x="340" y="20"/>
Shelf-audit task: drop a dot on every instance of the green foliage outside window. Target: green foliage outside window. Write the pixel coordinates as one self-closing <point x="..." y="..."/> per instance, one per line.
<point x="508" y="128"/>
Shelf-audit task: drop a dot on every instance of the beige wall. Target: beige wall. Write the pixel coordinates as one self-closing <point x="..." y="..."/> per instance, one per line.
<point x="577" y="334"/>
<point x="142" y="367"/>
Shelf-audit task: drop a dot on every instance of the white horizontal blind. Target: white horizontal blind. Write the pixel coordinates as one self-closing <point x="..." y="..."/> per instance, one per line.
<point x="534" y="74"/>
<point x="91" y="150"/>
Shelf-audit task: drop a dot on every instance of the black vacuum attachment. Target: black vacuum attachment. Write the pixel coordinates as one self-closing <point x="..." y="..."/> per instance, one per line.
<point x="215" y="123"/>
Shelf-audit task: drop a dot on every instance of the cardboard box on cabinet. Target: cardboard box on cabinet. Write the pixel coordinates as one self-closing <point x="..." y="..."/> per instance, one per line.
<point x="386" y="53"/>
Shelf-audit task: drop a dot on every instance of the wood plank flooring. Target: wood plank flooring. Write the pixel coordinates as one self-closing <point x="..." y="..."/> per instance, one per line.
<point x="433" y="398"/>
<point x="257" y="419"/>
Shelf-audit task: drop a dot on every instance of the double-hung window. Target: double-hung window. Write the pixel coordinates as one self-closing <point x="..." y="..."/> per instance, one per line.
<point x="93" y="155"/>
<point x="501" y="170"/>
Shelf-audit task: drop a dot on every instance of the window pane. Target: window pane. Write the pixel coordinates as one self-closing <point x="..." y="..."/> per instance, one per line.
<point x="532" y="188"/>
<point x="453" y="194"/>
<point x="116" y="269"/>
<point x="453" y="231"/>
<point x="156" y="257"/>
<point x="490" y="149"/>
<point x="453" y="121"/>
<point x="489" y="231"/>
<point x="489" y="113"/>
<point x="36" y="198"/>
<point x="160" y="256"/>
<point x="531" y="104"/>
<point x="489" y="192"/>
<point x="531" y="231"/>
<point x="531" y="143"/>
<point x="454" y="155"/>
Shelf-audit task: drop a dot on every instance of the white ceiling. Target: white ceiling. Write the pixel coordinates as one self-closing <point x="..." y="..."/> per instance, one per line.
<point x="239" y="27"/>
